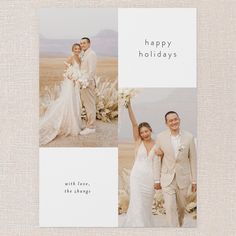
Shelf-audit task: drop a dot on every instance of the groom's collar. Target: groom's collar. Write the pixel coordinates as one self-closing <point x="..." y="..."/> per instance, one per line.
<point x="180" y="132"/>
<point x="87" y="51"/>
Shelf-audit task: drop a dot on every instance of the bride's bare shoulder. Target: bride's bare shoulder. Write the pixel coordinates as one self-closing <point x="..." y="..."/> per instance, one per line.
<point x="69" y="60"/>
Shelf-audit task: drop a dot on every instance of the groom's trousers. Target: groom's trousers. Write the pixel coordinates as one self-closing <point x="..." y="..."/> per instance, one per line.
<point x="175" y="203"/>
<point x="88" y="99"/>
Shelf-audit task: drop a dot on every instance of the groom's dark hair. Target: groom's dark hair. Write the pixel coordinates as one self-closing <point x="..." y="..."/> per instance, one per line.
<point x="86" y="39"/>
<point x="170" y="112"/>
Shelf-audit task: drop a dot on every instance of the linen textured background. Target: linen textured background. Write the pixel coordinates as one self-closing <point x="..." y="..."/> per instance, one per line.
<point x="19" y="88"/>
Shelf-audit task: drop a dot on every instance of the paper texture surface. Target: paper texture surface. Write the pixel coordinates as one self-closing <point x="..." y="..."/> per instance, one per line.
<point x="19" y="118"/>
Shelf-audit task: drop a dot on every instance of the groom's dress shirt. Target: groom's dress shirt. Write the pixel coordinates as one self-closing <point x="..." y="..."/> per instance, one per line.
<point x="184" y="162"/>
<point x="175" y="141"/>
<point x="88" y="63"/>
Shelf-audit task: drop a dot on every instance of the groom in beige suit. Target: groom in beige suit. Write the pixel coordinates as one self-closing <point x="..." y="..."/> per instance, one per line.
<point x="88" y="68"/>
<point x="176" y="169"/>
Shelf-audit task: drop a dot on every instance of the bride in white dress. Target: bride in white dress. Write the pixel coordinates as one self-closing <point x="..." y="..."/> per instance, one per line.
<point x="142" y="191"/>
<point x="63" y="116"/>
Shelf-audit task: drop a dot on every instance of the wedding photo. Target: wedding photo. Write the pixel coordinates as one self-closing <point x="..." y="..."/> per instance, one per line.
<point x="78" y="96"/>
<point x="157" y="157"/>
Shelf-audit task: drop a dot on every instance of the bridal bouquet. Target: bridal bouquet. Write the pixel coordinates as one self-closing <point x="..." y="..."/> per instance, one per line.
<point x="75" y="75"/>
<point x="125" y="95"/>
<point x="83" y="80"/>
<point x="71" y="72"/>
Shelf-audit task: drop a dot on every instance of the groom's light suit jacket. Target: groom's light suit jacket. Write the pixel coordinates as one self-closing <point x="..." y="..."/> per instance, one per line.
<point x="88" y="64"/>
<point x="88" y="98"/>
<point x="183" y="166"/>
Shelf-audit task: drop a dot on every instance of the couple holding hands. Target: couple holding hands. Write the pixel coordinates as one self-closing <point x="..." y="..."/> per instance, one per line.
<point x="167" y="163"/>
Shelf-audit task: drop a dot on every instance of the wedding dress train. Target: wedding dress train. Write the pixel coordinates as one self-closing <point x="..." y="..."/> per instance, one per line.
<point x="63" y="116"/>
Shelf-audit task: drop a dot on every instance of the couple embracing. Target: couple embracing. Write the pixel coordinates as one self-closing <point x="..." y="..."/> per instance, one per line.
<point x="167" y="163"/>
<point x="63" y="115"/>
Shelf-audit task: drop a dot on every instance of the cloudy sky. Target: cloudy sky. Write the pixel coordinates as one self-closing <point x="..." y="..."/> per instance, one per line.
<point x="151" y="105"/>
<point x="71" y="23"/>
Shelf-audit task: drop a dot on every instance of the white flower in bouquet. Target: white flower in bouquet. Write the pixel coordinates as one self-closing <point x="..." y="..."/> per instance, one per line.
<point x="71" y="72"/>
<point x="125" y="95"/>
<point x="83" y="80"/>
<point x="181" y="148"/>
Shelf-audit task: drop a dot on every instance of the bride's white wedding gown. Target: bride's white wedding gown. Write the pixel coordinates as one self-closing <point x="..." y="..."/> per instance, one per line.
<point x="142" y="191"/>
<point x="63" y="116"/>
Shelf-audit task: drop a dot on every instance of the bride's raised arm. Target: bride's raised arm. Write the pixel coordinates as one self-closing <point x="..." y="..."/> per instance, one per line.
<point x="133" y="122"/>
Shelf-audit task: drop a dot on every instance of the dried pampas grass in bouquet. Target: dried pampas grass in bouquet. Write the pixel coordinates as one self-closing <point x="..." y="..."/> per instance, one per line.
<point x="125" y="95"/>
